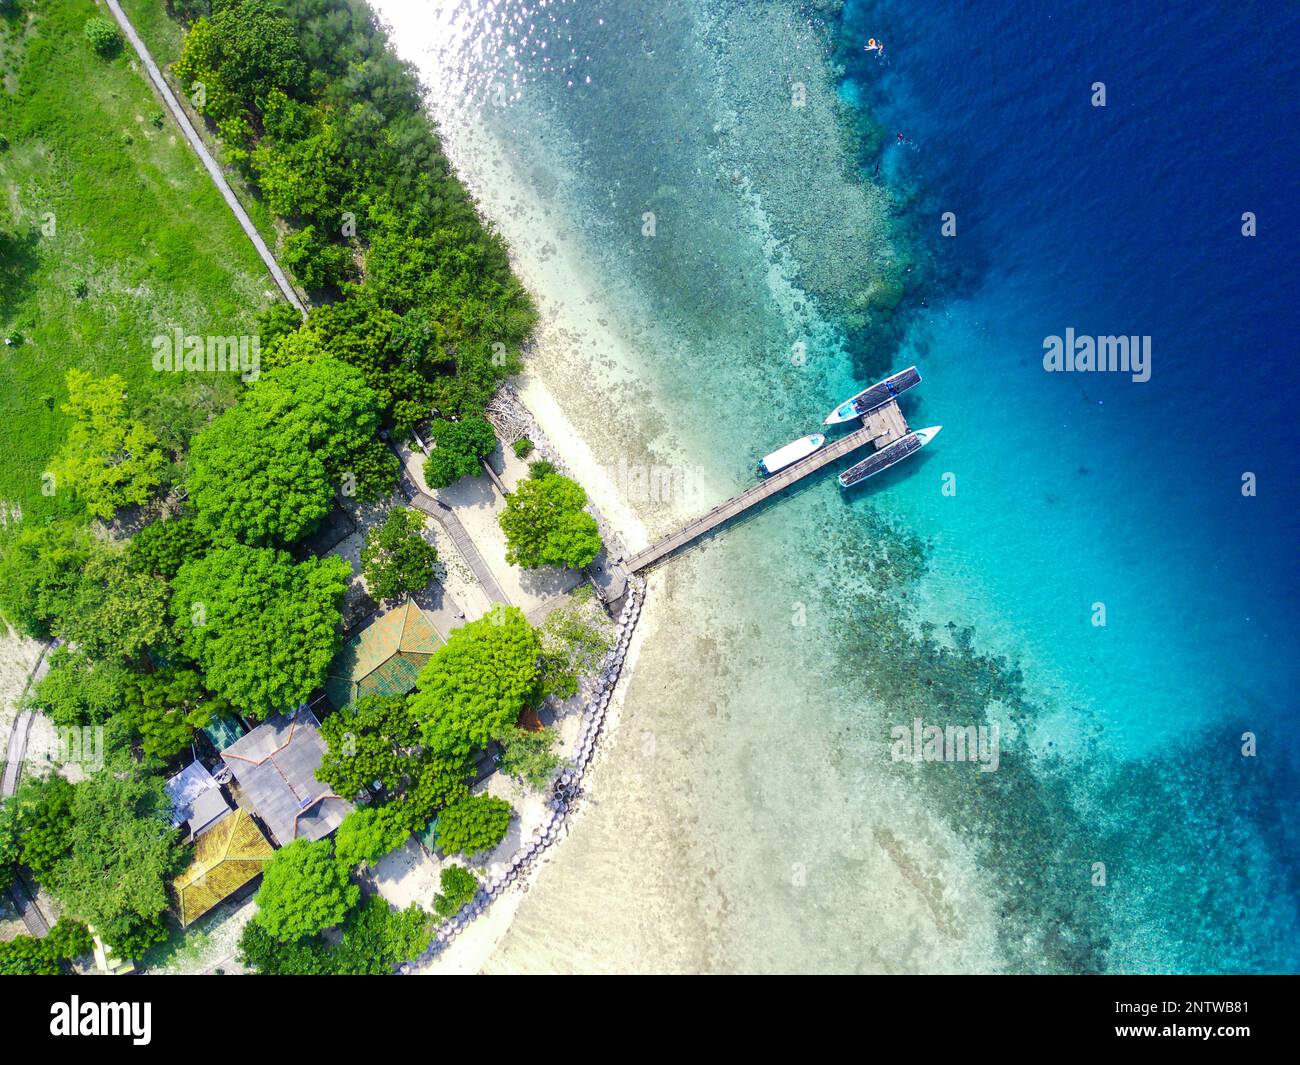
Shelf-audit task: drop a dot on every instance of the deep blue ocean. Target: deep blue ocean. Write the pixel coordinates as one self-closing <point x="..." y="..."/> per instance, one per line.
<point x="1084" y="488"/>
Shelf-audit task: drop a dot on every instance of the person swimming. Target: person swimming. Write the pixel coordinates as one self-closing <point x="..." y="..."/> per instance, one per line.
<point x="876" y="46"/>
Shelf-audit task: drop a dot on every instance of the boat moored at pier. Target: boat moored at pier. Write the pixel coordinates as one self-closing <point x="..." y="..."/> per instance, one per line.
<point x="792" y="452"/>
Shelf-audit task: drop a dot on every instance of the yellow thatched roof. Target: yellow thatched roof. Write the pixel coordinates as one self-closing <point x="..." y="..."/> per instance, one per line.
<point x="226" y="857"/>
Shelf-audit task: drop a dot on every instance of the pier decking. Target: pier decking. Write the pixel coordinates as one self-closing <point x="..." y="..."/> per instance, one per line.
<point x="751" y="497"/>
<point x="882" y="425"/>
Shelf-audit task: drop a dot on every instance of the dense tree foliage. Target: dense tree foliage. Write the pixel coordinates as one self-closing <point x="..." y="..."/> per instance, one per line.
<point x="39" y="571"/>
<point x="396" y="559"/>
<point x="79" y="691"/>
<point x="114" y="614"/>
<point x="305" y="888"/>
<point x="368" y="833"/>
<point x="166" y="707"/>
<point x="263" y="628"/>
<point x="477" y="684"/>
<point x="545" y="524"/>
<point x="332" y="129"/>
<point x="473" y="825"/>
<point x="43" y="810"/>
<point x="529" y="756"/>
<point x="10" y="850"/>
<point x="375" y="940"/>
<point x="122" y="853"/>
<point x="29" y="956"/>
<point x="458" y="447"/>
<point x="377" y="741"/>
<point x="108" y="460"/>
<point x="161" y="548"/>
<point x="265" y="472"/>
<point x="459" y="886"/>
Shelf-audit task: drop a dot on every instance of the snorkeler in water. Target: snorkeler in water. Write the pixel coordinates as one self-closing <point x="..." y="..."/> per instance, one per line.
<point x="876" y="46"/>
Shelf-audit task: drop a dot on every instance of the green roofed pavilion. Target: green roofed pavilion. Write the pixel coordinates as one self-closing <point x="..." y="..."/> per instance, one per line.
<point x="384" y="658"/>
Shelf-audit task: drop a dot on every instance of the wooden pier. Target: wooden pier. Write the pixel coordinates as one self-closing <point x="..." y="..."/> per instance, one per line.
<point x="882" y="424"/>
<point x="750" y="497"/>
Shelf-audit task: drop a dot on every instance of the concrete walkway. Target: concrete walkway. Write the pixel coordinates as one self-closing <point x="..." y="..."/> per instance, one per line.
<point x="212" y="166"/>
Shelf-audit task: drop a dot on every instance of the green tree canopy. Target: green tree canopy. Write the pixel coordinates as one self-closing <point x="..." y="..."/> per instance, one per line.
<point x="458" y="448"/>
<point x="263" y="627"/>
<point x="255" y="484"/>
<point x="545" y="524"/>
<point x="108" y="460"/>
<point x="43" y="808"/>
<point x="376" y="740"/>
<point x="166" y="707"/>
<point x="529" y="756"/>
<point x="305" y="888"/>
<point x="122" y="854"/>
<point x="473" y="825"/>
<point x="375" y="939"/>
<point x="459" y="886"/>
<point x="266" y="470"/>
<point x="162" y="547"/>
<point x="477" y="684"/>
<point x="78" y="690"/>
<point x="396" y="559"/>
<point x="114" y="613"/>
<point x="368" y="833"/>
<point x="39" y="571"/>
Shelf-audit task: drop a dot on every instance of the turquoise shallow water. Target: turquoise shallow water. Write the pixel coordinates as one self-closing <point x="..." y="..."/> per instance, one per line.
<point x="794" y="642"/>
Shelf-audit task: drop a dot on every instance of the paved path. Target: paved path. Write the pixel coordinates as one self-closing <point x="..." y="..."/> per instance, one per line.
<point x="212" y="166"/>
<point x="17" y="752"/>
<point x="22" y="727"/>
<point x="446" y="517"/>
<point x="32" y="917"/>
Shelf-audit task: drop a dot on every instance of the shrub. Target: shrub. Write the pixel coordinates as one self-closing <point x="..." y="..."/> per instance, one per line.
<point x="396" y="559"/>
<point x="459" y="886"/>
<point x="523" y="447"/>
<point x="104" y="36"/>
<point x="458" y="448"/>
<point x="473" y="825"/>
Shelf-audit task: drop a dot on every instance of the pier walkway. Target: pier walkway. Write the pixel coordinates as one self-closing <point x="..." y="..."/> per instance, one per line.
<point x="752" y="496"/>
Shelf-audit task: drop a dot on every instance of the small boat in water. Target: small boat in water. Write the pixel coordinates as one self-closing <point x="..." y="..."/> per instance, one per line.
<point x="888" y="455"/>
<point x="877" y="395"/>
<point x="792" y="452"/>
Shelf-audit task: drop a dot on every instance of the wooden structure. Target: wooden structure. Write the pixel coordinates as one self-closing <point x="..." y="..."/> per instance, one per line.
<point x="882" y="425"/>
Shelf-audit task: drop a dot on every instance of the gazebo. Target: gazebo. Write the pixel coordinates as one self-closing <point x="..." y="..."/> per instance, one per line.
<point x="384" y="658"/>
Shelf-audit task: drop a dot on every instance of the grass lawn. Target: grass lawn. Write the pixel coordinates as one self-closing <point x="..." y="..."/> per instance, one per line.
<point x="111" y="233"/>
<point x="163" y="36"/>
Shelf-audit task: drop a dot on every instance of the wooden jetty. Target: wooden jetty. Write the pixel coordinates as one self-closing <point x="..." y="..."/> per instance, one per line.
<point x="882" y="424"/>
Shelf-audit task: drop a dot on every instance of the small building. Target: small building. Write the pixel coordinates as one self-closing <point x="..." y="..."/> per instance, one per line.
<point x="274" y="767"/>
<point x="227" y="855"/>
<point x="197" y="801"/>
<point x="384" y="658"/>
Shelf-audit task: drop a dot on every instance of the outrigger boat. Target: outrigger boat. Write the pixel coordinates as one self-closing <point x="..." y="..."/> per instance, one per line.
<point x="876" y="396"/>
<point x="888" y="455"/>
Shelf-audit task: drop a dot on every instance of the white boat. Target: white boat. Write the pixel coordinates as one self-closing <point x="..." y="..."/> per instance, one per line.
<point x="792" y="452"/>
<point x="929" y="434"/>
